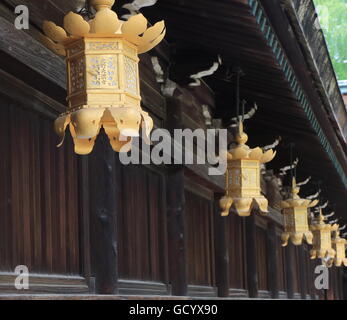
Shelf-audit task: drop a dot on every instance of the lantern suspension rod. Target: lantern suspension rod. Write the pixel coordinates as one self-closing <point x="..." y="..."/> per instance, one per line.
<point x="292" y="167"/>
<point x="243" y="110"/>
<point x="238" y="95"/>
<point x="239" y="74"/>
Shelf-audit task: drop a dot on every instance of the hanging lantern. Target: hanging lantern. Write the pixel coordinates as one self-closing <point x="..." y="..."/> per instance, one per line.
<point x="322" y="244"/>
<point x="339" y="245"/>
<point x="295" y="212"/>
<point x="243" y="177"/>
<point x="103" y="77"/>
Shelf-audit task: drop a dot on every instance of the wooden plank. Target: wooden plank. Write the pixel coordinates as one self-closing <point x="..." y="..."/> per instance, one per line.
<point x="16" y="231"/>
<point x="36" y="187"/>
<point x="20" y="92"/>
<point x="272" y="260"/>
<point x="46" y="196"/>
<point x="25" y="199"/>
<point x="44" y="284"/>
<point x="5" y="186"/>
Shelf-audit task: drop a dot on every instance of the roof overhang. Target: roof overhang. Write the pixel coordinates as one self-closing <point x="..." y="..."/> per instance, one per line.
<point x="295" y="88"/>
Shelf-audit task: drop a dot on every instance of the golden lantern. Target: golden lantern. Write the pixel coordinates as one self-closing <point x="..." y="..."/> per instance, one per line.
<point x="103" y="77"/>
<point x="339" y="245"/>
<point x="322" y="244"/>
<point x="295" y="212"/>
<point x="243" y="177"/>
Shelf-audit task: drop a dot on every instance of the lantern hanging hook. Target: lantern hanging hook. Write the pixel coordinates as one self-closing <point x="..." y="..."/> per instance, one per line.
<point x="86" y="10"/>
<point x="293" y="166"/>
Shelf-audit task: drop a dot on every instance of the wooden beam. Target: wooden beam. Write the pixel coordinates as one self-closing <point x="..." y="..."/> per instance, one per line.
<point x="24" y="48"/>
<point x="103" y="210"/>
<point x="20" y="92"/>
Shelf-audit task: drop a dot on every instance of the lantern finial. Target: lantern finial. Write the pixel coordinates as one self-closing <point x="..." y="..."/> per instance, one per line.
<point x="241" y="138"/>
<point x="102" y="4"/>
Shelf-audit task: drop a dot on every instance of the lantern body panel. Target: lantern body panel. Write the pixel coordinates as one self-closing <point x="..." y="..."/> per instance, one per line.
<point x="102" y="72"/>
<point x="244" y="178"/>
<point x="244" y="186"/>
<point x="340" y="254"/>
<point x="339" y="245"/>
<point x="322" y="242"/>
<point x="296" y="226"/>
<point x="295" y="212"/>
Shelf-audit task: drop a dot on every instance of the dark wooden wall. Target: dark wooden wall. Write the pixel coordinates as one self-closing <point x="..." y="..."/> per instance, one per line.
<point x="38" y="195"/>
<point x="43" y="224"/>
<point x="200" y="246"/>
<point x="142" y="225"/>
<point x="236" y="250"/>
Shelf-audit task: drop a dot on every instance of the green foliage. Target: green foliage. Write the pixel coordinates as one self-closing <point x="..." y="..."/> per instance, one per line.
<point x="333" y="20"/>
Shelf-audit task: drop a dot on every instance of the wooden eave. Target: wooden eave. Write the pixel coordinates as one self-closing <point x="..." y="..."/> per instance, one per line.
<point x="261" y="39"/>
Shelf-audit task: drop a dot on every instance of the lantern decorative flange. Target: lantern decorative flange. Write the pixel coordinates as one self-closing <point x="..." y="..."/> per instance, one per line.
<point x="295" y="212"/>
<point x="339" y="245"/>
<point x="243" y="191"/>
<point x="103" y="76"/>
<point x="322" y="244"/>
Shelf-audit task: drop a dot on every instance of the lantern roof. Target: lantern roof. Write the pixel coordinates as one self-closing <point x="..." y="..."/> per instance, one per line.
<point x="242" y="151"/>
<point x="295" y="201"/>
<point x="104" y="24"/>
<point x="337" y="238"/>
<point x="319" y="223"/>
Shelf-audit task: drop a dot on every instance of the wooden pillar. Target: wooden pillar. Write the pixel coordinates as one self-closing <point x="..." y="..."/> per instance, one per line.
<point x="252" y="272"/>
<point x="176" y="211"/>
<point x="84" y="219"/>
<point x="272" y="260"/>
<point x="176" y="232"/>
<point x="103" y="200"/>
<point x="344" y="283"/>
<point x="303" y="274"/>
<point x="221" y="249"/>
<point x="289" y="257"/>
